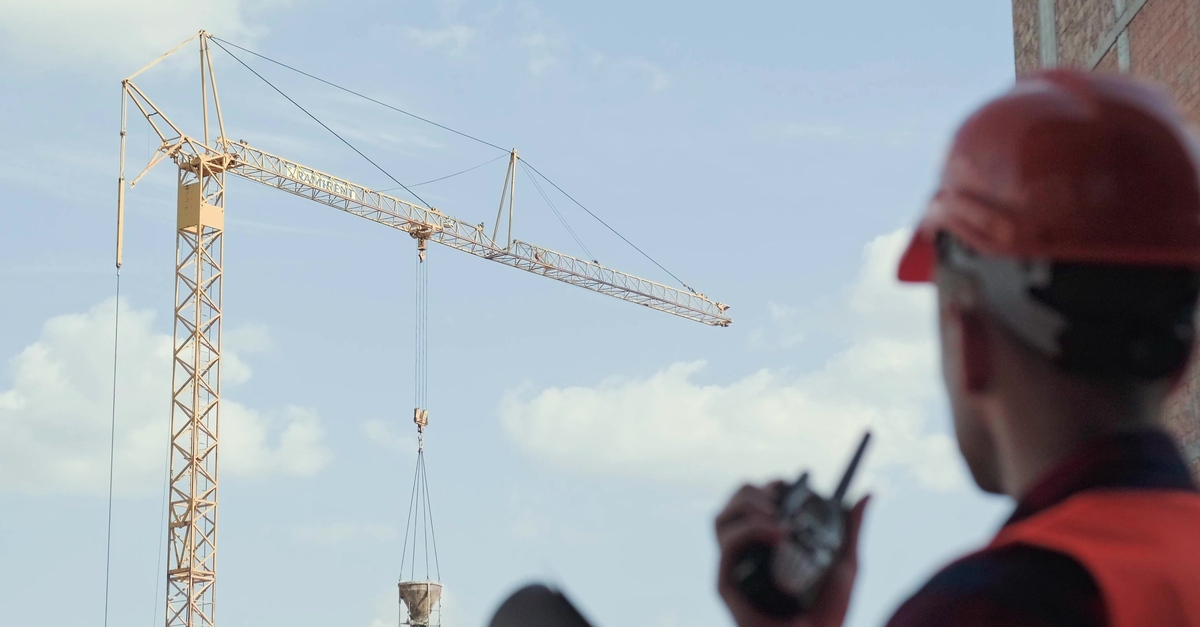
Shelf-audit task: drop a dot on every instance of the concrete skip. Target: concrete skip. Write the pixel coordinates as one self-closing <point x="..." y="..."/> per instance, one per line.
<point x="420" y="597"/>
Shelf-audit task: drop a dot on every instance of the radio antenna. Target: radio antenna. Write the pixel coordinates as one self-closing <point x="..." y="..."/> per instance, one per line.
<point x="845" y="483"/>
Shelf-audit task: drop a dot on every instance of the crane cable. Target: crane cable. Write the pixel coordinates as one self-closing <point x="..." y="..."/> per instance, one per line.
<point x="419" y="520"/>
<point x="220" y="41"/>
<point x="442" y="178"/>
<point x="323" y="125"/>
<point x="615" y="232"/>
<point x="112" y="446"/>
<point x="354" y="93"/>
<point x="112" y="455"/>
<point x="560" y="217"/>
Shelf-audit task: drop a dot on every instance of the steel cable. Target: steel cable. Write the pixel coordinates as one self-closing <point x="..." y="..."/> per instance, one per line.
<point x="615" y="232"/>
<point x="352" y="92"/>
<point x="442" y="178"/>
<point x="441" y="126"/>
<point x="112" y="446"/>
<point x="323" y="125"/>
<point x="557" y="214"/>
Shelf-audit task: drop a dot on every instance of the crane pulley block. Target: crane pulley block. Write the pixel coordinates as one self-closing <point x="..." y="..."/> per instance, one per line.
<point x="422" y="233"/>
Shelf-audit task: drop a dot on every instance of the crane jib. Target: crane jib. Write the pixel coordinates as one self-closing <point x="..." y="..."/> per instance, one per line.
<point x="429" y="223"/>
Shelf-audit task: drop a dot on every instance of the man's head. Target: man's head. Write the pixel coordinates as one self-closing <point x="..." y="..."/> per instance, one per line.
<point x="1064" y="239"/>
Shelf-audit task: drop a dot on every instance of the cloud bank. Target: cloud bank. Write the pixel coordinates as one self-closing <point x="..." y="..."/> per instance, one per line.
<point x="124" y="34"/>
<point x="55" y="416"/>
<point x="676" y="428"/>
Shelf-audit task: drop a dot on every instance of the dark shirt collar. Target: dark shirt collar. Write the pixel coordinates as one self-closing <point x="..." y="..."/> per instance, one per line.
<point x="1135" y="460"/>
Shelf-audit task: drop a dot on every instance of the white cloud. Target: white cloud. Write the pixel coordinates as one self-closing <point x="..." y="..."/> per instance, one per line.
<point x="631" y="69"/>
<point x="658" y="78"/>
<point x="674" y="427"/>
<point x="126" y="34"/>
<point x="55" y="417"/>
<point x="388" y="434"/>
<point x="286" y="443"/>
<point x="247" y="339"/>
<point x="406" y="142"/>
<point x="787" y="327"/>
<point x="385" y="608"/>
<point x="337" y="534"/>
<point x="544" y="40"/>
<point x="542" y="54"/>
<point x="453" y="37"/>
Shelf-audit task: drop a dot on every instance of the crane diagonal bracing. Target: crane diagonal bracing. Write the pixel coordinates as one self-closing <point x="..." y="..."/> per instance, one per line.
<point x="280" y="173"/>
<point x="203" y="161"/>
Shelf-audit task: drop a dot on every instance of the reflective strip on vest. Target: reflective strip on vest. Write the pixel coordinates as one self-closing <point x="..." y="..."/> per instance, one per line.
<point x="1141" y="546"/>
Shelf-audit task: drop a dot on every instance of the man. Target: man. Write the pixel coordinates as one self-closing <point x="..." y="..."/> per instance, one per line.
<point x="1064" y="242"/>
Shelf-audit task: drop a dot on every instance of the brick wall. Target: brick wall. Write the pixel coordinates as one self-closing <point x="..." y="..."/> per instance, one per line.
<point x="1025" y="35"/>
<point x="1163" y="41"/>
<point x="1081" y="24"/>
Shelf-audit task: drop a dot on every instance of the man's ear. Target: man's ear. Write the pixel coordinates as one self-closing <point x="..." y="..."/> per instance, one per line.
<point x="971" y="345"/>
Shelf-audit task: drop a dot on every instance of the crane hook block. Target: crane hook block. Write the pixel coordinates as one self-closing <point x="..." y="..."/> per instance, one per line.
<point x="421" y="417"/>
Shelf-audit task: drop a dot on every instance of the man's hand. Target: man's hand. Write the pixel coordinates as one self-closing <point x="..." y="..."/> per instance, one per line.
<point x="750" y="517"/>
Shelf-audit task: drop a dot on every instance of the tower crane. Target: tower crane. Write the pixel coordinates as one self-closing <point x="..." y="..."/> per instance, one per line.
<point x="203" y="162"/>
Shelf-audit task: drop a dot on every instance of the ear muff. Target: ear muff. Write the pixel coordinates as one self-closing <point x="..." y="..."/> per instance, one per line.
<point x="1094" y="320"/>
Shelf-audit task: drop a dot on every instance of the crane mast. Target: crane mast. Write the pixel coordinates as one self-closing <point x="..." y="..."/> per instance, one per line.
<point x="203" y="164"/>
<point x="196" y="394"/>
<point x="196" y="358"/>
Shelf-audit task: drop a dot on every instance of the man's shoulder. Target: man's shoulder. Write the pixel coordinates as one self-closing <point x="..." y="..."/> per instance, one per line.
<point x="1015" y="585"/>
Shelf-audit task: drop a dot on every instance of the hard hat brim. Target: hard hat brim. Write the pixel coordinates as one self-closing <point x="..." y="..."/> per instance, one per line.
<point x="1069" y="166"/>
<point x="917" y="262"/>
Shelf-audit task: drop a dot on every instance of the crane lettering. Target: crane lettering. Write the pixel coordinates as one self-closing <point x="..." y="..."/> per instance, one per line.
<point x="313" y="179"/>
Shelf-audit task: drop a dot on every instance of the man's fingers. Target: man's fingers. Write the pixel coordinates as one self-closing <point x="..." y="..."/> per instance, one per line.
<point x="734" y="539"/>
<point x="745" y="510"/>
<point x="748" y="501"/>
<point x="830" y="608"/>
<point x="854" y="525"/>
<point x="738" y="535"/>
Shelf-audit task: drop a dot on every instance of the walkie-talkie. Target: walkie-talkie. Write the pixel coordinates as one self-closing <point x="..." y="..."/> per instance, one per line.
<point x="785" y="580"/>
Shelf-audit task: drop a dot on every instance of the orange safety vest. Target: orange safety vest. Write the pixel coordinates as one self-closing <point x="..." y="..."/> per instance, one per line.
<point x="1142" y="547"/>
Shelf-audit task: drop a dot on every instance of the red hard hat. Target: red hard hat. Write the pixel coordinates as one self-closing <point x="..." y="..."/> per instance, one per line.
<point x="1069" y="166"/>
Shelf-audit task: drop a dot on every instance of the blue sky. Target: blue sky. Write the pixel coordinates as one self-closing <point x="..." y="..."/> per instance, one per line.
<point x="769" y="154"/>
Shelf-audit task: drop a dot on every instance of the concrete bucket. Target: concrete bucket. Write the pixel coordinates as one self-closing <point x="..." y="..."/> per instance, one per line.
<point x="420" y="597"/>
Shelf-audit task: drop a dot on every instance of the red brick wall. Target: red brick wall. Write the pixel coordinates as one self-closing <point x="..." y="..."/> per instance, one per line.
<point x="1109" y="62"/>
<point x="1164" y="44"/>
<point x="1025" y="35"/>
<point x="1081" y="24"/>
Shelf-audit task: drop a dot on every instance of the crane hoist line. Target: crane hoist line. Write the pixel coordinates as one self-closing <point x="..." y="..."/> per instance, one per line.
<point x="203" y="161"/>
<point x="420" y="595"/>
